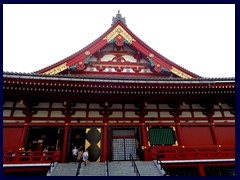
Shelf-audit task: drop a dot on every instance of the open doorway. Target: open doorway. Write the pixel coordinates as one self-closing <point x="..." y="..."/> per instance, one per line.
<point x="40" y="137"/>
<point x="77" y="136"/>
<point x="89" y="138"/>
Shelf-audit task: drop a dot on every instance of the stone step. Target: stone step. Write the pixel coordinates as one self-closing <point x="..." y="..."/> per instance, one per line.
<point x="93" y="169"/>
<point x="147" y="168"/>
<point x="65" y="169"/>
<point x="121" y="168"/>
<point x="115" y="168"/>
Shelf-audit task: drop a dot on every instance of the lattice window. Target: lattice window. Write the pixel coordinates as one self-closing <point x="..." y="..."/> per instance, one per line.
<point x="162" y="136"/>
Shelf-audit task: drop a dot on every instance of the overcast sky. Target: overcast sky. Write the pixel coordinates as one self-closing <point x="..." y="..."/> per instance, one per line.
<point x="200" y="38"/>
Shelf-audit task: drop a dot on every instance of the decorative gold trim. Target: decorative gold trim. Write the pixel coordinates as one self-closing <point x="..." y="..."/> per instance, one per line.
<point x="119" y="30"/>
<point x="118" y="65"/>
<point x="99" y="130"/>
<point x="87" y="129"/>
<point x="180" y="73"/>
<point x="151" y="55"/>
<point x="176" y="141"/>
<point x="99" y="144"/>
<point x="87" y="144"/>
<point x="98" y="160"/>
<point x="87" y="53"/>
<point x="57" y="69"/>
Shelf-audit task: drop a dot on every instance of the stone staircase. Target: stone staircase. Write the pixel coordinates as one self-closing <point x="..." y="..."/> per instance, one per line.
<point x="115" y="168"/>
<point x="148" y="168"/>
<point x="93" y="169"/>
<point x="64" y="169"/>
<point x="121" y="168"/>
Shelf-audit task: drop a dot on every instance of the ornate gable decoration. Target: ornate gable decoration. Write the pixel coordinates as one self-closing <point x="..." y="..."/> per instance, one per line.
<point x="116" y="31"/>
<point x="57" y="69"/>
<point x="121" y="43"/>
<point x="180" y="73"/>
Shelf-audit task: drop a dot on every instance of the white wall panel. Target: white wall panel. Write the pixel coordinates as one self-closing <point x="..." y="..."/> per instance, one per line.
<point x="197" y="106"/>
<point x="164" y="106"/>
<point x="94" y="114"/>
<point x="6" y="113"/>
<point x="8" y="104"/>
<point x="151" y="106"/>
<point x="42" y="105"/>
<point x="199" y="114"/>
<point x="41" y="114"/>
<point x="116" y="114"/>
<point x="18" y="113"/>
<point x="228" y="114"/>
<point x="94" y="106"/>
<point x="130" y="114"/>
<point x="80" y="114"/>
<point x="56" y="114"/>
<point x="57" y="105"/>
<point x="80" y="105"/>
<point x="186" y="114"/>
<point x="165" y="114"/>
<point x="152" y="114"/>
<point x="217" y="114"/>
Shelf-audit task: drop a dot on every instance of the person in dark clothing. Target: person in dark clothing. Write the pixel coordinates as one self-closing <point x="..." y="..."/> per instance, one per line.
<point x="80" y="154"/>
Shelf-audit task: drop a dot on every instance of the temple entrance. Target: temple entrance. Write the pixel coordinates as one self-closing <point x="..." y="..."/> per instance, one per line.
<point x="77" y="136"/>
<point x="89" y="138"/>
<point x="124" y="143"/>
<point x="39" y="138"/>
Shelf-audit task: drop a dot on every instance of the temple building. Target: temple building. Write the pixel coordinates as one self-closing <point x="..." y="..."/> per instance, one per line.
<point x="117" y="96"/>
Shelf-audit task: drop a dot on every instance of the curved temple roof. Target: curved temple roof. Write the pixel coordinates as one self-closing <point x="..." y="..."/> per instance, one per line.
<point x="157" y="62"/>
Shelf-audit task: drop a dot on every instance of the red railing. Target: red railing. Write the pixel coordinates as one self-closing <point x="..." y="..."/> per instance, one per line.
<point x="32" y="157"/>
<point x="179" y="153"/>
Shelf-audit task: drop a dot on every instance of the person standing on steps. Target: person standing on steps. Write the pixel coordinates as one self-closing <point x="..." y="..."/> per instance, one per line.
<point x="80" y="154"/>
<point x="74" y="154"/>
<point x="85" y="157"/>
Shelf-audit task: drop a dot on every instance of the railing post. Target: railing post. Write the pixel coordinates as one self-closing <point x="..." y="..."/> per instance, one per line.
<point x="135" y="169"/>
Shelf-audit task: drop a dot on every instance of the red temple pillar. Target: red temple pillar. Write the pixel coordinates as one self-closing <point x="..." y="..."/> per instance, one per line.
<point x="215" y="141"/>
<point x="29" y="114"/>
<point x="179" y="135"/>
<point x="145" y="147"/>
<point x="212" y="127"/>
<point x="23" y="137"/>
<point x="201" y="171"/>
<point x="65" y="141"/>
<point x="104" y="145"/>
<point x="176" y="113"/>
